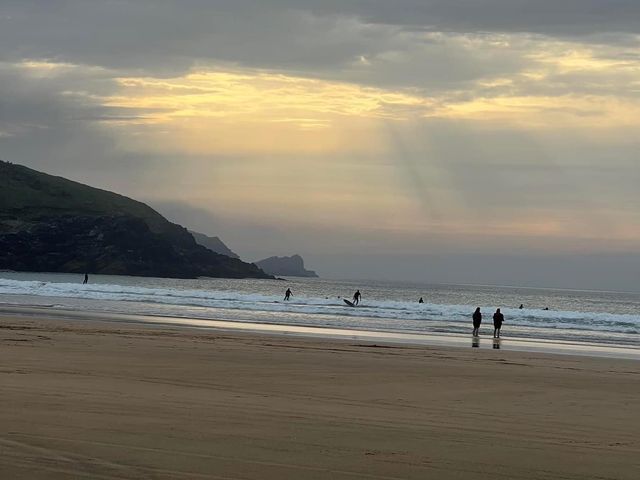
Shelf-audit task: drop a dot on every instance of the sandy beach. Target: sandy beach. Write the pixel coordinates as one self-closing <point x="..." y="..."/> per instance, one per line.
<point x="103" y="400"/>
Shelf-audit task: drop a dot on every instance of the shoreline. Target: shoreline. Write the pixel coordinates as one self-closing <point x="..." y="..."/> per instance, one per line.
<point x="418" y="339"/>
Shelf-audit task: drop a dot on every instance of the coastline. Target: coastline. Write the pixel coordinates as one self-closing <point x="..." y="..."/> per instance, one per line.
<point x="338" y="334"/>
<point x="115" y="399"/>
<point x="609" y="319"/>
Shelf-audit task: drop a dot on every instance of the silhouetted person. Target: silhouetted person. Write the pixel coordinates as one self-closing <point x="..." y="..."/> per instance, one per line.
<point x="498" y="318"/>
<point x="287" y="294"/>
<point x="521" y="306"/>
<point x="356" y="297"/>
<point x="546" y="308"/>
<point x="477" y="320"/>
<point x="86" y="279"/>
<point x="421" y="300"/>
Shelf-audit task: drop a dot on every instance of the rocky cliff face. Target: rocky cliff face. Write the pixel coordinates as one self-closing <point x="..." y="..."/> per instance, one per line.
<point x="213" y="243"/>
<point x="286" y="266"/>
<point x="51" y="224"/>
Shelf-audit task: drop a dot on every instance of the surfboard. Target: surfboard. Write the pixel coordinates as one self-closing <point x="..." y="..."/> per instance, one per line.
<point x="351" y="304"/>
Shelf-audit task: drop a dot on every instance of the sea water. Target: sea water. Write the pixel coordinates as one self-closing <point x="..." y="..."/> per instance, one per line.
<point x="576" y="316"/>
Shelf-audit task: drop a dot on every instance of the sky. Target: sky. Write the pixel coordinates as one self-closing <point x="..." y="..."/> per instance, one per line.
<point x="470" y="141"/>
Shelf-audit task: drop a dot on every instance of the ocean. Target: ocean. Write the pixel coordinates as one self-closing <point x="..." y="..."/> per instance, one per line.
<point x="611" y="318"/>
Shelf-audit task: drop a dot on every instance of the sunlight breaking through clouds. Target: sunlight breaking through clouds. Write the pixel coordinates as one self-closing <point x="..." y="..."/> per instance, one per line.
<point x="310" y="114"/>
<point x="234" y="111"/>
<point x="459" y="133"/>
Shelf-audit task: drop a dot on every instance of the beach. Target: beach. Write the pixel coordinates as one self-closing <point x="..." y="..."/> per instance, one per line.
<point x="123" y="400"/>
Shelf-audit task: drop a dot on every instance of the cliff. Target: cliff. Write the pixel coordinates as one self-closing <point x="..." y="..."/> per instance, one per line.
<point x="52" y="224"/>
<point x="213" y="243"/>
<point x="286" y="266"/>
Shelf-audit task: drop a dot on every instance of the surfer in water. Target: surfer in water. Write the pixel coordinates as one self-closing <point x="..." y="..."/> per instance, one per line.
<point x="356" y="297"/>
<point x="477" y="320"/>
<point x="287" y="295"/>
<point x="498" y="318"/>
<point x="86" y="279"/>
<point x="421" y="300"/>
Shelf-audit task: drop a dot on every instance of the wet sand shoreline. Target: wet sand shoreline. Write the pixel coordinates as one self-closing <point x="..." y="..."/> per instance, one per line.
<point x="446" y="340"/>
<point x="123" y="400"/>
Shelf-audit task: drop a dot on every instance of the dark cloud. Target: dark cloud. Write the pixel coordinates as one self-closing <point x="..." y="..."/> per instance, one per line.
<point x="170" y="36"/>
<point x="47" y="125"/>
<point x="551" y="17"/>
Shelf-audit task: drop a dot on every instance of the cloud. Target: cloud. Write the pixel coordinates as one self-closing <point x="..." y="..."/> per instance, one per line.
<point x="555" y="18"/>
<point x="52" y="117"/>
<point x="478" y="159"/>
<point x="167" y="37"/>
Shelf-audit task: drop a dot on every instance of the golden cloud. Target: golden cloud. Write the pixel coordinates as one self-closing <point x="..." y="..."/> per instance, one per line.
<point x="224" y="112"/>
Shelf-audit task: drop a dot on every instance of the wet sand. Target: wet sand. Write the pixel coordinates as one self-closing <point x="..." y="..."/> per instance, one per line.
<point x="105" y="400"/>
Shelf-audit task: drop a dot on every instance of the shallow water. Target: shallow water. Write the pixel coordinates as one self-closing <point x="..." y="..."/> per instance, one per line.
<point x="575" y="316"/>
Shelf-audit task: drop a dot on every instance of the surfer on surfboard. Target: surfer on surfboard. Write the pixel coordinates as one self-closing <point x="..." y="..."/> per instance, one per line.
<point x="356" y="297"/>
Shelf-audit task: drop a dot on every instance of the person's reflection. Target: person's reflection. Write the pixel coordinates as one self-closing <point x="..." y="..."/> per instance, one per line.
<point x="496" y="344"/>
<point x="475" y="342"/>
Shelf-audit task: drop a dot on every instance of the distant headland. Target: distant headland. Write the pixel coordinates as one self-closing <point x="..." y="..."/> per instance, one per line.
<point x="292" y="266"/>
<point x="214" y="244"/>
<point x="51" y="224"/>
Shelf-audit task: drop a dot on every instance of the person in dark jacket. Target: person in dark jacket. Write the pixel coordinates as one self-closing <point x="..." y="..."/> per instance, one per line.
<point x="356" y="297"/>
<point x="477" y="320"/>
<point x="498" y="318"/>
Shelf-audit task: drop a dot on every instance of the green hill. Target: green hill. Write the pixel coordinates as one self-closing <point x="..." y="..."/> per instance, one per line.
<point x="27" y="193"/>
<point x="49" y="223"/>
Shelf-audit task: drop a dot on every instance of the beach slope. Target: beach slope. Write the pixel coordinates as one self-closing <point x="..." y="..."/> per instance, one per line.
<point x="104" y="400"/>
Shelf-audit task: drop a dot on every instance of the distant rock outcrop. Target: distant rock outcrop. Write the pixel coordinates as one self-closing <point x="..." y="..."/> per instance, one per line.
<point x="51" y="224"/>
<point x="214" y="244"/>
<point x="286" y="266"/>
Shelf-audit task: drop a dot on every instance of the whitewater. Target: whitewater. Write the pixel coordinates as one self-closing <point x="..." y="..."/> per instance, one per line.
<point x="575" y="316"/>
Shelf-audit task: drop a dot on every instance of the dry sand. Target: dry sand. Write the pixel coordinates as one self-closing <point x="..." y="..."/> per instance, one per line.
<point x="112" y="401"/>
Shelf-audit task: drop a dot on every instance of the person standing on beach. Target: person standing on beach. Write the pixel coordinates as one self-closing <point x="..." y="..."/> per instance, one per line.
<point x="498" y="318"/>
<point x="477" y="320"/>
<point x="287" y="295"/>
<point x="86" y="279"/>
<point x="356" y="297"/>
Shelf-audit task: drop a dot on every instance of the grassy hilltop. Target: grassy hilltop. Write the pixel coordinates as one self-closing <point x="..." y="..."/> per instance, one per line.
<point x="50" y="223"/>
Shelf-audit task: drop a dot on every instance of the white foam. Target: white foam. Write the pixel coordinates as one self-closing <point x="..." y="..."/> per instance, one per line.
<point x="397" y="315"/>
